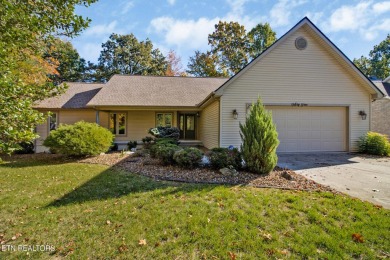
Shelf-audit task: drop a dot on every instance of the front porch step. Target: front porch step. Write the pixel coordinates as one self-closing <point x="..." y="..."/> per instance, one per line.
<point x="187" y="143"/>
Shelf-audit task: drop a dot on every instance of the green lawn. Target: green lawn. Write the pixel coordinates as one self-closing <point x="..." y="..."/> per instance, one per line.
<point x="97" y="212"/>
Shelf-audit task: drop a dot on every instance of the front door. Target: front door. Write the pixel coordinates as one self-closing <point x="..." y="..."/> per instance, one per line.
<point x="187" y="126"/>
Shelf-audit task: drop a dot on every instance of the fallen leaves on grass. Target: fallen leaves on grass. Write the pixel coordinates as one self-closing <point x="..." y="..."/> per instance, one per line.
<point x="142" y="242"/>
<point x="266" y="236"/>
<point x="358" y="238"/>
<point x="123" y="248"/>
<point x="17" y="235"/>
<point x="232" y="255"/>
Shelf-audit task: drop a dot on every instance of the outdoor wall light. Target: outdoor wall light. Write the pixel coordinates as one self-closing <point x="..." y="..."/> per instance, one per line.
<point x="197" y="114"/>
<point x="363" y="114"/>
<point x="235" y="114"/>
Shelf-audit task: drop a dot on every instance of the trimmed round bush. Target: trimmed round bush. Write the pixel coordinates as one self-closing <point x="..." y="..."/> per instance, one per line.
<point x="165" y="153"/>
<point x="80" y="139"/>
<point x="224" y="157"/>
<point x="159" y="143"/>
<point x="189" y="157"/>
<point x="165" y="132"/>
<point x="374" y="143"/>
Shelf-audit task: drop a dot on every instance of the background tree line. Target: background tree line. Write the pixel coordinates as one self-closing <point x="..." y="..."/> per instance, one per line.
<point x="231" y="48"/>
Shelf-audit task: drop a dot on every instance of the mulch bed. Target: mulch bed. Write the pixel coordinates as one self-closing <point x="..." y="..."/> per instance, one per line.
<point x="152" y="168"/>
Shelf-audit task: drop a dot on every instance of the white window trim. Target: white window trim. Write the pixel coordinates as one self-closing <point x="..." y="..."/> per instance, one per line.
<point x="164" y="113"/>
<point x="117" y="123"/>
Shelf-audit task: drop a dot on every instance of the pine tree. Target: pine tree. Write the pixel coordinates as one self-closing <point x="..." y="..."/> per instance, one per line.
<point x="259" y="140"/>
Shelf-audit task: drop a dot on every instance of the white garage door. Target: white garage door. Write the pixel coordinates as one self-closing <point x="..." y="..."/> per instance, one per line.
<point x="310" y="129"/>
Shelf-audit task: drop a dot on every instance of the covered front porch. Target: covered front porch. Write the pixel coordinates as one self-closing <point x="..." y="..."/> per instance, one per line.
<point x="133" y="124"/>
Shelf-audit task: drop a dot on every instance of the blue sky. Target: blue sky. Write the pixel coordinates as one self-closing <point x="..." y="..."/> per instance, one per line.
<point x="183" y="25"/>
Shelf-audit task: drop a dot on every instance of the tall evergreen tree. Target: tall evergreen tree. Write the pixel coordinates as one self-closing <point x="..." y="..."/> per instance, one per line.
<point x="259" y="140"/>
<point x="124" y="54"/>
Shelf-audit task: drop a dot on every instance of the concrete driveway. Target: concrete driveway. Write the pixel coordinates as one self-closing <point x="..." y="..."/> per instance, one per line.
<point x="364" y="177"/>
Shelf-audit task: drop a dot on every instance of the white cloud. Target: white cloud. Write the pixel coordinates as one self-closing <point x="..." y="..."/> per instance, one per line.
<point x="372" y="32"/>
<point x="365" y="18"/>
<point x="171" y="2"/>
<point x="191" y="34"/>
<point x="349" y="17"/>
<point x="280" y="13"/>
<point x="381" y="7"/>
<point x="237" y="6"/>
<point x="127" y="5"/>
<point x="101" y="29"/>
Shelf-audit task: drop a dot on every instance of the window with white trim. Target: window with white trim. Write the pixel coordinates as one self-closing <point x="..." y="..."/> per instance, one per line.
<point x="164" y="119"/>
<point x="53" y="119"/>
<point x="117" y="124"/>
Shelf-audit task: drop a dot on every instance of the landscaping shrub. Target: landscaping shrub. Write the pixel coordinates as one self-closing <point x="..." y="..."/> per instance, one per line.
<point x="80" y="139"/>
<point x="165" y="132"/>
<point x="374" y="143"/>
<point x="259" y="140"/>
<point x="25" y="148"/>
<point x="166" y="141"/>
<point x="147" y="141"/>
<point x="131" y="145"/>
<point x="165" y="153"/>
<point x="224" y="157"/>
<point x="159" y="143"/>
<point x="113" y="147"/>
<point x="189" y="157"/>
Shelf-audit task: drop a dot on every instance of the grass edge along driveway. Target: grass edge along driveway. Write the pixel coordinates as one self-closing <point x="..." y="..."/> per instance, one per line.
<point x="94" y="211"/>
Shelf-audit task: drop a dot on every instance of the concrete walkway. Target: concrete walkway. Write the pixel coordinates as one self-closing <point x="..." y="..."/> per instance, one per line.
<point x="364" y="177"/>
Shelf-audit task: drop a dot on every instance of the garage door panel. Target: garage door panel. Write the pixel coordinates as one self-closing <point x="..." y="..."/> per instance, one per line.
<point x="306" y="129"/>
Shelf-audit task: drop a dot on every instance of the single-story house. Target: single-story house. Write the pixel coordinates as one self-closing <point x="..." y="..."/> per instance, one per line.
<point x="381" y="109"/>
<point x="319" y="100"/>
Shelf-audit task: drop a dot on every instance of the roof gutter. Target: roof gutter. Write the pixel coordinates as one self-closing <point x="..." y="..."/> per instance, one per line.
<point x="210" y="97"/>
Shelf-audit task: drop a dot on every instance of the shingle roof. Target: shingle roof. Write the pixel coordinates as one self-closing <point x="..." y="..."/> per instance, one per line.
<point x="76" y="96"/>
<point x="125" y="90"/>
<point x="383" y="86"/>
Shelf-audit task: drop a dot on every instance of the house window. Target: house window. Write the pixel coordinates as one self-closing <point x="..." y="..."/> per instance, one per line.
<point x="164" y="119"/>
<point x="118" y="123"/>
<point x="53" y="119"/>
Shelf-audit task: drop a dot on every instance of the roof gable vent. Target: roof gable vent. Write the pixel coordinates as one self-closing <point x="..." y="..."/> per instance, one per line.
<point x="300" y="43"/>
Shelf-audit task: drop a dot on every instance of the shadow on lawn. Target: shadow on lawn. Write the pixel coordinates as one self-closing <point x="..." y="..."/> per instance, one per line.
<point x="111" y="183"/>
<point x="33" y="160"/>
<point x="114" y="183"/>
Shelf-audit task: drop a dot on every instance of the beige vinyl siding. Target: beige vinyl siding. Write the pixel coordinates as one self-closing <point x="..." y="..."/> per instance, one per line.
<point x="209" y="125"/>
<point x="70" y="117"/>
<point x="287" y="75"/>
<point x="103" y="119"/>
